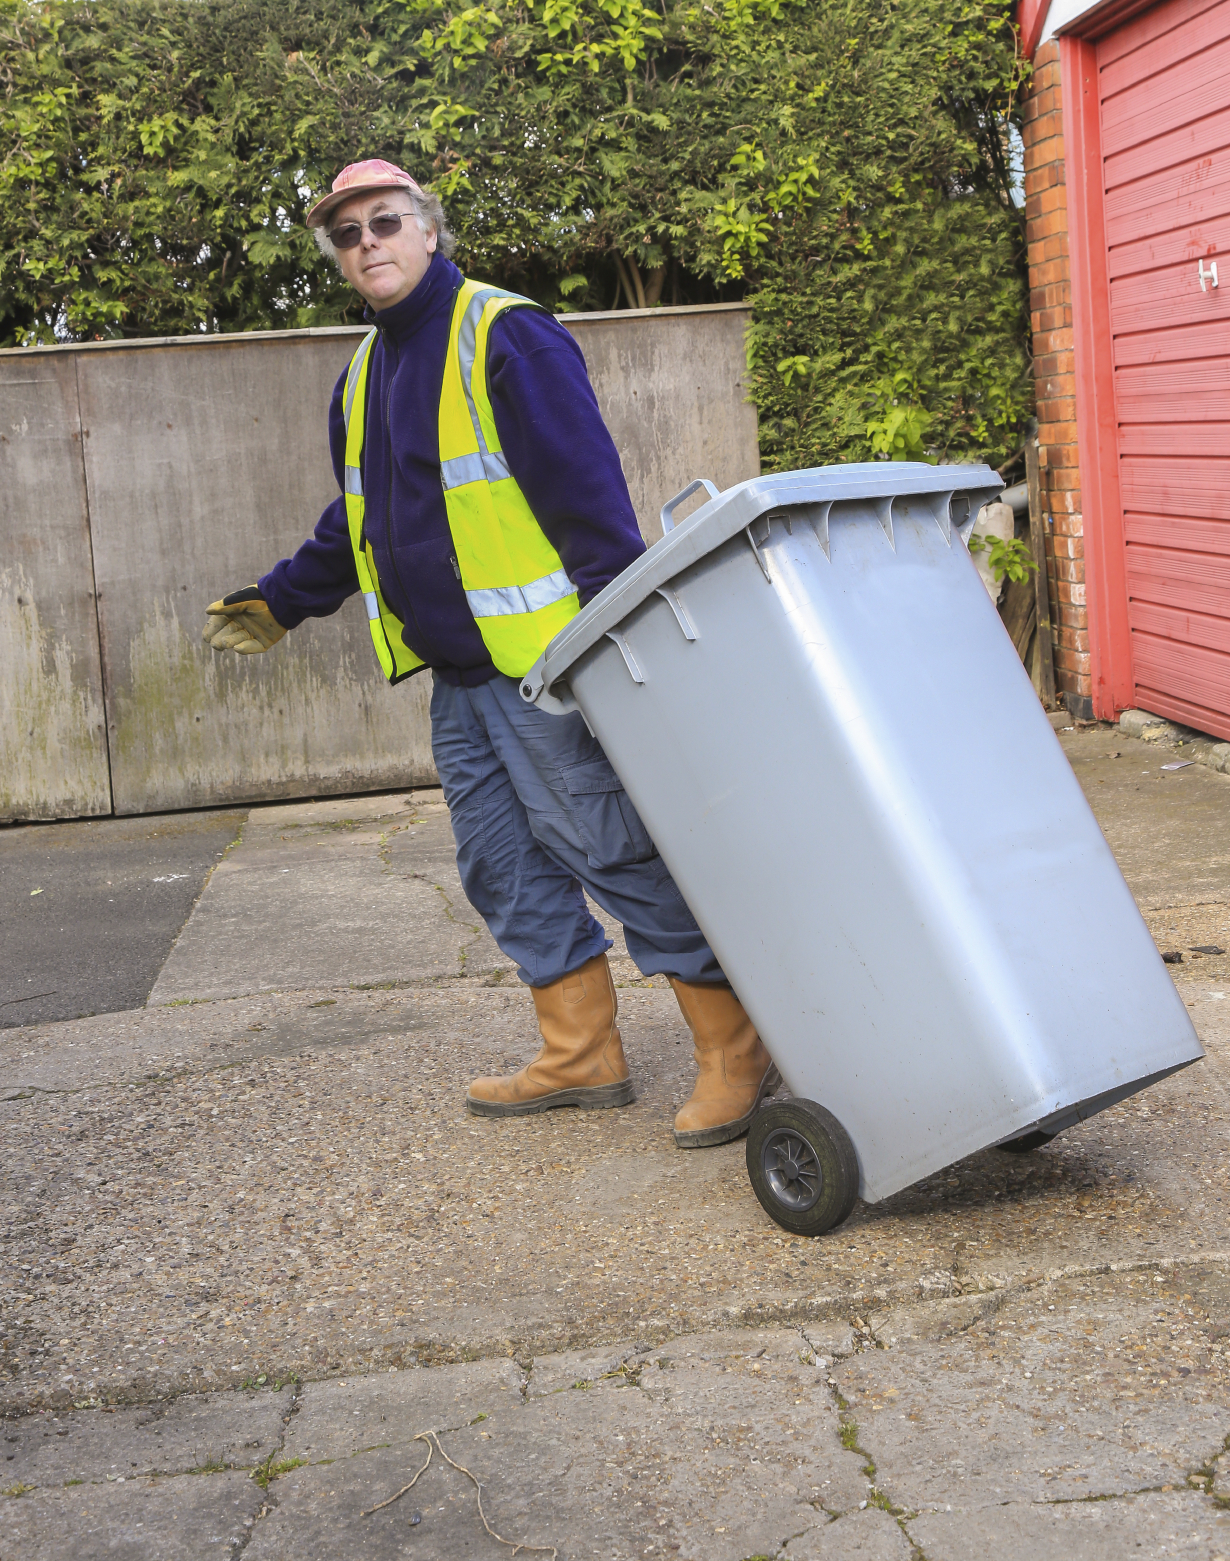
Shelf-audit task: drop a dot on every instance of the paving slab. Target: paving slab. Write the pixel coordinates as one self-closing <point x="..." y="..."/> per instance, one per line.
<point x="724" y="1446"/>
<point x="348" y="892"/>
<point x="198" y="1431"/>
<point x="1182" y="1524"/>
<point x="1076" y="1388"/>
<point x="184" y="1519"/>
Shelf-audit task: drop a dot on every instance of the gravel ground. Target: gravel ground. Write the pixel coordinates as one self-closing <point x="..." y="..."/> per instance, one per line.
<point x="306" y="1210"/>
<point x="238" y="1231"/>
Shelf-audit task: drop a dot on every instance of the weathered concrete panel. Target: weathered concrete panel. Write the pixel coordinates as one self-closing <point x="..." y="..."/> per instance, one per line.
<point x="206" y="463"/>
<point x="53" y="746"/>
<point x="206" y="460"/>
<point x="672" y="387"/>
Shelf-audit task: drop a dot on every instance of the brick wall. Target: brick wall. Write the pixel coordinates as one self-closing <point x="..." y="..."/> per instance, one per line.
<point x="1050" y="308"/>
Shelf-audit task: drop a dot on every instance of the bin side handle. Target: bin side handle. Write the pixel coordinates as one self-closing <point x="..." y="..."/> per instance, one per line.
<point x="680" y="612"/>
<point x="818" y="515"/>
<point x="668" y="509"/>
<point x="625" y="651"/>
<point x="764" y="568"/>
<point x="960" y="514"/>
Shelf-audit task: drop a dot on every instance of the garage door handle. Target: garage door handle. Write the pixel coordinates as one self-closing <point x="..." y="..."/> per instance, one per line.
<point x="1207" y="276"/>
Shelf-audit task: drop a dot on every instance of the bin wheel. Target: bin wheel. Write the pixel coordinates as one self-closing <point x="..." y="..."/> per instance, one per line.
<point x="1026" y="1142"/>
<point x="802" y="1166"/>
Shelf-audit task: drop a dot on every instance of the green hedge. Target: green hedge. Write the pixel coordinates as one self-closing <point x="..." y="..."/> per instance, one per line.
<point x="843" y="166"/>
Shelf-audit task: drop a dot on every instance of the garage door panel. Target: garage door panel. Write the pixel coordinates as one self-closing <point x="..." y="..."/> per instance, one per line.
<point x="1205" y="673"/>
<point x="1180" y="532"/>
<point x="1198" y="391"/>
<point x="1175" y="708"/>
<point x="1172" y="46"/>
<point x="1182" y="216"/>
<point x="1183" y="344"/>
<point x="1198" y="489"/>
<point x="1189" y="582"/>
<point x="1149" y="26"/>
<point x="1164" y="298"/>
<point x="1164" y="101"/>
<point x="1184" y="248"/>
<point x="1200" y="138"/>
<point x="1202" y="675"/>
<point x="1178" y="595"/>
<point x="1167" y="100"/>
<point x="1182" y="628"/>
<point x="1178" y="438"/>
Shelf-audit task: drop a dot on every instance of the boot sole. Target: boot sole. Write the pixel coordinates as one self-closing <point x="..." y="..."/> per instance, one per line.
<point x="707" y="1137"/>
<point x="595" y="1097"/>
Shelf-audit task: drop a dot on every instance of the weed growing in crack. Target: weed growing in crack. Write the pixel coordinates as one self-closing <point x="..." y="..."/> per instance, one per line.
<point x="250" y="1384"/>
<point x="19" y="1489"/>
<point x="272" y="1467"/>
<point x="210" y="1464"/>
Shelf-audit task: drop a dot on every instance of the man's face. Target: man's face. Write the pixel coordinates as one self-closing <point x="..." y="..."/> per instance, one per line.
<point x="384" y="270"/>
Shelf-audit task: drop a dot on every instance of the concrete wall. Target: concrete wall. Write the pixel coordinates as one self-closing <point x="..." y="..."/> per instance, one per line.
<point x="137" y="483"/>
<point x="671" y="385"/>
<point x="53" y="746"/>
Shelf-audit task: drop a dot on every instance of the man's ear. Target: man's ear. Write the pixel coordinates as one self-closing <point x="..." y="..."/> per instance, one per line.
<point x="429" y="239"/>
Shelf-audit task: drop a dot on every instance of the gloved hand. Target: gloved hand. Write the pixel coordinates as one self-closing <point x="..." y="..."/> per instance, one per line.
<point x="242" y="622"/>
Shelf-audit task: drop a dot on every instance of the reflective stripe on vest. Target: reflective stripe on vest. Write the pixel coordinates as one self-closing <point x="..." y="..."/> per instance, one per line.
<point x="396" y="659"/>
<point x="514" y="580"/>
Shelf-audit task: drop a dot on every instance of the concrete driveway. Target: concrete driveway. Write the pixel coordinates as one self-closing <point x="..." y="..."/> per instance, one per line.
<point x="259" y="1263"/>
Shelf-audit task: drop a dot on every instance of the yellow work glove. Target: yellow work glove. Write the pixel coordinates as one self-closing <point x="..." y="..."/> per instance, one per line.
<point x="242" y="622"/>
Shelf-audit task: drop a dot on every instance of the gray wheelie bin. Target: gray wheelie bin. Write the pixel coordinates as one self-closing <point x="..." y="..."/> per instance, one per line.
<point x="814" y="706"/>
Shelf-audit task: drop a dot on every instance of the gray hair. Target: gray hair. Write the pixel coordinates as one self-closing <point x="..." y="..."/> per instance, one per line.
<point x="428" y="213"/>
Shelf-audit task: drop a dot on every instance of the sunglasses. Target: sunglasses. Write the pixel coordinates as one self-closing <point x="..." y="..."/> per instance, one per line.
<point x="350" y="234"/>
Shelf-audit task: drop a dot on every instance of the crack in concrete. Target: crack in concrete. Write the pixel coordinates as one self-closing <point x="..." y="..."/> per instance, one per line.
<point x="203" y="1466"/>
<point x="1201" y="1479"/>
<point x="469" y="926"/>
<point x="877" y="1496"/>
<point x="270" y="1504"/>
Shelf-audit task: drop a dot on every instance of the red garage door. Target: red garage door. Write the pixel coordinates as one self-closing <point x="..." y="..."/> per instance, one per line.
<point x="1165" y="127"/>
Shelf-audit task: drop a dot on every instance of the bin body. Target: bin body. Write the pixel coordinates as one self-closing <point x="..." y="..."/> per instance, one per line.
<point x="851" y="778"/>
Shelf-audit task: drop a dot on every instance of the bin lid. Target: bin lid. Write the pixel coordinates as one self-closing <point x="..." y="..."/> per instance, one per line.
<point x="955" y="494"/>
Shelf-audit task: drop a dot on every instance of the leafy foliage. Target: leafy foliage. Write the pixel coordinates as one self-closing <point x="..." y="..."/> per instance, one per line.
<point x="1011" y="558"/>
<point x="844" y="166"/>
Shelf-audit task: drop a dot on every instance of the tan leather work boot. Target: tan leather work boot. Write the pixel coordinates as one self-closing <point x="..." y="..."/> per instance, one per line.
<point x="736" y="1072"/>
<point x="582" y="1058"/>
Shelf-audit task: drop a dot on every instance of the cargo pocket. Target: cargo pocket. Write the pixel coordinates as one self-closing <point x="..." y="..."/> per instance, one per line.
<point x="608" y="826"/>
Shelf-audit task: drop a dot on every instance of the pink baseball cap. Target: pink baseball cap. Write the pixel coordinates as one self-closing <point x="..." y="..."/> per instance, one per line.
<point x="358" y="179"/>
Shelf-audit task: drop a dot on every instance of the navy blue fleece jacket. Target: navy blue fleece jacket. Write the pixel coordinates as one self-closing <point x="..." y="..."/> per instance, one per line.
<point x="554" y="440"/>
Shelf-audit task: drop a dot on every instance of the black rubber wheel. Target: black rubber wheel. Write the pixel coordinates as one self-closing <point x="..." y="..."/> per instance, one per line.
<point x="802" y="1166"/>
<point x="1026" y="1142"/>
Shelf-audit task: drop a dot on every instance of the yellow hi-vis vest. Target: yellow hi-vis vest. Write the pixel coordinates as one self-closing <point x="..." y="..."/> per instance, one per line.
<point x="515" y="583"/>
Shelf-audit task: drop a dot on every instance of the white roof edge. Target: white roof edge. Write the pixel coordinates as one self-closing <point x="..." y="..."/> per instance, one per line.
<point x="1062" y="13"/>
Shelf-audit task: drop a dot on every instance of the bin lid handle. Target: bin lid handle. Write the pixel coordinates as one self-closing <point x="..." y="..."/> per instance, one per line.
<point x="668" y="509"/>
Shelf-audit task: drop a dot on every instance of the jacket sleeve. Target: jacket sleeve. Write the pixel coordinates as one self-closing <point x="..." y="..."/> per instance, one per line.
<point x="558" y="448"/>
<point x="321" y="575"/>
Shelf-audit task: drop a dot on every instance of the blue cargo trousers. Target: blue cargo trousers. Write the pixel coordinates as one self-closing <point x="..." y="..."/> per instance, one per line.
<point x="537" y="813"/>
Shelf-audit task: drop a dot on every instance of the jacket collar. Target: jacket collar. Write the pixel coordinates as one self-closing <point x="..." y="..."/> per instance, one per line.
<point x="432" y="296"/>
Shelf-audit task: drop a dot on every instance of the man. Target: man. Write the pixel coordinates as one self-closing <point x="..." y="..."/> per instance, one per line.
<point x="482" y="506"/>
